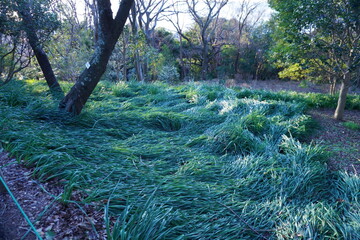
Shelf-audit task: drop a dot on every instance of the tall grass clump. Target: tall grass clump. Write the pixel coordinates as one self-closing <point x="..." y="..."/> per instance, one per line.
<point x="225" y="163"/>
<point x="150" y="221"/>
<point x="234" y="138"/>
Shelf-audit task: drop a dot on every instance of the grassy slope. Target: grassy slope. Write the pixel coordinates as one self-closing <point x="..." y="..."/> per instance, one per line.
<point x="192" y="161"/>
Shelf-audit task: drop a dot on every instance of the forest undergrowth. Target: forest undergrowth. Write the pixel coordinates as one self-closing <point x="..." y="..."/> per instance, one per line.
<point x="186" y="162"/>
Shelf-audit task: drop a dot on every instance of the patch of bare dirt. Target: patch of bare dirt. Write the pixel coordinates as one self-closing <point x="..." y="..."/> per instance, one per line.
<point x="342" y="143"/>
<point x="52" y="219"/>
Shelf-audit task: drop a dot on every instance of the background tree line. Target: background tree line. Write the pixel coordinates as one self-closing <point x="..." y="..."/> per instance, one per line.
<point x="304" y="40"/>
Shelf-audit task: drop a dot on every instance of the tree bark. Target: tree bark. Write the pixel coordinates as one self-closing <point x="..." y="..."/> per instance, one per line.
<point x="182" y="65"/>
<point x="124" y="59"/>
<point x="236" y="63"/>
<point x="135" y="32"/>
<point x="40" y="54"/>
<point x="205" y="60"/>
<point x="333" y="86"/>
<point x="109" y="32"/>
<point x="46" y="68"/>
<point x="345" y="84"/>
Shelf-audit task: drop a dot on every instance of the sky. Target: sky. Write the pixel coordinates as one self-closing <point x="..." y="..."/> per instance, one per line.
<point x="228" y="11"/>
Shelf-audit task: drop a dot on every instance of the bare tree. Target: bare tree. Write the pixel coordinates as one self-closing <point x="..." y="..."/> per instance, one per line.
<point x="174" y="19"/>
<point x="246" y="20"/>
<point x="135" y="34"/>
<point x="145" y="14"/>
<point x="149" y="13"/>
<point x="93" y="17"/>
<point x="205" y="13"/>
<point x="16" y="58"/>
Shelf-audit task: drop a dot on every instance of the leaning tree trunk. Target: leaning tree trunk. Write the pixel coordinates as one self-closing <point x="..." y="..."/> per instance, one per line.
<point x="345" y="84"/>
<point x="109" y="32"/>
<point x="40" y="54"/>
<point x="46" y="68"/>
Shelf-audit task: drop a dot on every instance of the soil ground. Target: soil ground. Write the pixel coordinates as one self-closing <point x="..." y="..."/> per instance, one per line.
<point x="63" y="220"/>
<point x="342" y="144"/>
<point x="72" y="221"/>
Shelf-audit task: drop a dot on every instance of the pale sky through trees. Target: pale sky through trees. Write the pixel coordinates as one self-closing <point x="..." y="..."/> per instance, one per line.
<point x="229" y="11"/>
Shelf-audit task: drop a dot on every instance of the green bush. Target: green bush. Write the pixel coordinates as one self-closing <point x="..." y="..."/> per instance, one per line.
<point x="352" y="125"/>
<point x="122" y="90"/>
<point x="169" y="74"/>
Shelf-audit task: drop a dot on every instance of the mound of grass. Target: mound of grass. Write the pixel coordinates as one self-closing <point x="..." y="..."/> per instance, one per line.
<point x="164" y="121"/>
<point x="184" y="162"/>
<point x="256" y="123"/>
<point x="352" y="125"/>
<point x="235" y="139"/>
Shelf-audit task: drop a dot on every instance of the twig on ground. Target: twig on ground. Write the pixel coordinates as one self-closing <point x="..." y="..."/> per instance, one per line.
<point x="242" y="220"/>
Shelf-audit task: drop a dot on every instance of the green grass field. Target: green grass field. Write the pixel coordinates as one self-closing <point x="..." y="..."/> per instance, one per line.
<point x="187" y="162"/>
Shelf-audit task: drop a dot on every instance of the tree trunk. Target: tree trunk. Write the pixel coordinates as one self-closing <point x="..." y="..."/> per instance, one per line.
<point x="182" y="66"/>
<point x="46" y="68"/>
<point x="96" y="21"/>
<point x="109" y="32"/>
<point x="124" y="59"/>
<point x="333" y="86"/>
<point x="236" y="63"/>
<point x="345" y="84"/>
<point x="137" y="61"/>
<point x="40" y="54"/>
<point x="138" y="68"/>
<point x="330" y="85"/>
<point x="205" y="61"/>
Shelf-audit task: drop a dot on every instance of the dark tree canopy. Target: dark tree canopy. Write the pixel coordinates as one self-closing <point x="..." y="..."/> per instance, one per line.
<point x="38" y="23"/>
<point x="326" y="31"/>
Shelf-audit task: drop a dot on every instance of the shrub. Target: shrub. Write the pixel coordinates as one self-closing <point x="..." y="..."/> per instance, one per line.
<point x="122" y="90"/>
<point x="351" y="125"/>
<point x="169" y="74"/>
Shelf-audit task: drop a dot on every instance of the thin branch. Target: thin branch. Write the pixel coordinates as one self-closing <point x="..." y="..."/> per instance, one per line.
<point x="243" y="221"/>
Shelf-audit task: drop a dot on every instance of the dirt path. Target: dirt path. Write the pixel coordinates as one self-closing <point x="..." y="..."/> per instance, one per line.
<point x="50" y="217"/>
<point x="342" y="143"/>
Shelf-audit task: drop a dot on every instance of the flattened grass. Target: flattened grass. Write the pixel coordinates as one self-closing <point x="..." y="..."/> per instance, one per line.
<point x="185" y="162"/>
